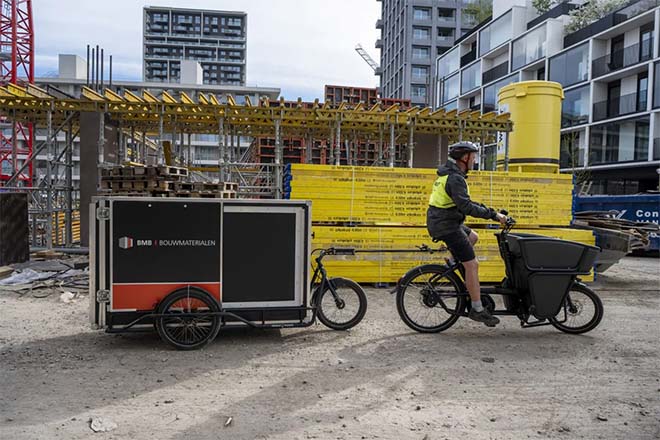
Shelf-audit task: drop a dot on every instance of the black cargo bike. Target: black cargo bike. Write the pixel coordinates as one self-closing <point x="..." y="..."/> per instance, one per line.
<point x="541" y="286"/>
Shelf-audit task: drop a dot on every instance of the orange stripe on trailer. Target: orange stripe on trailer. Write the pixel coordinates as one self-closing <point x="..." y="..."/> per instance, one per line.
<point x="147" y="296"/>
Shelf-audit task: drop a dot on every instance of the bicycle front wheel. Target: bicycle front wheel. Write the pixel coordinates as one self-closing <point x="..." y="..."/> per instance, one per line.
<point x="346" y="309"/>
<point x="581" y="311"/>
<point x="428" y="299"/>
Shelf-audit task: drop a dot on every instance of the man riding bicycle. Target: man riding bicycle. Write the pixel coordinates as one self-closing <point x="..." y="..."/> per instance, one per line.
<point x="449" y="204"/>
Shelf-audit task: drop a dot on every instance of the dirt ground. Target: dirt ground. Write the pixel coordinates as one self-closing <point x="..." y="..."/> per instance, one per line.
<point x="379" y="381"/>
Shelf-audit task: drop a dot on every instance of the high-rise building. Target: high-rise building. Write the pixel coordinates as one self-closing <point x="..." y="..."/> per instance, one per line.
<point x="609" y="70"/>
<point x="413" y="34"/>
<point x="215" y="39"/>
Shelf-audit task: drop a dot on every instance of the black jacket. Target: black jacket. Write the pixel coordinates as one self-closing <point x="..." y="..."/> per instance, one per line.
<point x="441" y="222"/>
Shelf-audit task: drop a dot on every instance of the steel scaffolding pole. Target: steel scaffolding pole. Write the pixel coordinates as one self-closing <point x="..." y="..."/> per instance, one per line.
<point x="278" y="159"/>
<point x="68" y="214"/>
<point x="392" y="150"/>
<point x="49" y="189"/>
<point x="222" y="161"/>
<point x="338" y="143"/>
<point x="411" y="144"/>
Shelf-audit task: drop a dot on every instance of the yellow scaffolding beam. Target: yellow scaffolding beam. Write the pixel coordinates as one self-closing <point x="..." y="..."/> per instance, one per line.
<point x="185" y="115"/>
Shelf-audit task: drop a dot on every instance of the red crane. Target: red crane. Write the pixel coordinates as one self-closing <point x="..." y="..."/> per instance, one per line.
<point x="16" y="67"/>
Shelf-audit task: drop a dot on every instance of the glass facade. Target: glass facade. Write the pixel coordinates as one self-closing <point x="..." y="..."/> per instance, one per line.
<point x="621" y="141"/>
<point x="421" y="52"/>
<point x="571" y="153"/>
<point x="571" y="67"/>
<point x="449" y="63"/>
<point x="489" y="98"/>
<point x="495" y="34"/>
<point x="450" y="88"/>
<point x="418" y="91"/>
<point x="421" y="13"/>
<point x="451" y="105"/>
<point x="421" y="33"/>
<point x="529" y="48"/>
<point x="575" y="107"/>
<point x="471" y="77"/>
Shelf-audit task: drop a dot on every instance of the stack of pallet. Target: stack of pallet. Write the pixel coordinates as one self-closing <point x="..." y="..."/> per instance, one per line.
<point x="385" y="208"/>
<point x="161" y="181"/>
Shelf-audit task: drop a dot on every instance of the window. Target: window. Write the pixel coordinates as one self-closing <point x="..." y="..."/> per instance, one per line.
<point x="420" y="71"/>
<point x="621" y="141"/>
<point x="575" y="107"/>
<point x="451" y="106"/>
<point x="421" y="52"/>
<point x="450" y="88"/>
<point x="418" y="91"/>
<point x="529" y="48"/>
<point x="421" y="33"/>
<point x="421" y="13"/>
<point x="490" y="93"/>
<point x="449" y="63"/>
<point x="571" y="67"/>
<point x="446" y="14"/>
<point x="471" y="77"/>
<point x="571" y="151"/>
<point x="646" y="42"/>
<point x="642" y="91"/>
<point x="445" y="34"/>
<point x="495" y="34"/>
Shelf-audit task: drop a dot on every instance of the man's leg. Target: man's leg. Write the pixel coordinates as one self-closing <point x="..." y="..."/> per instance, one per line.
<point x="472" y="279"/>
<point x="473" y="238"/>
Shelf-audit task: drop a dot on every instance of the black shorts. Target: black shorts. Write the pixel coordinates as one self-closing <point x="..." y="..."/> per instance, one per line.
<point x="459" y="245"/>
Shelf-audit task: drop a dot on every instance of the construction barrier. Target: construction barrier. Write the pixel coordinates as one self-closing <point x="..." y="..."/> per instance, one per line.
<point x="377" y="195"/>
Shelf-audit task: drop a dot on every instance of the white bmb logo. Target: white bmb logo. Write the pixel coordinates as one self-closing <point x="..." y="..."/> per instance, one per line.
<point x="126" y="242"/>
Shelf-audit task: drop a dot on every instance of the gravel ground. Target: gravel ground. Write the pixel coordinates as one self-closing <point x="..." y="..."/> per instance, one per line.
<point x="380" y="380"/>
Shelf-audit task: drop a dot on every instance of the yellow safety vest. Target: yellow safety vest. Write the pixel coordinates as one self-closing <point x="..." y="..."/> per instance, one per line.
<point x="439" y="197"/>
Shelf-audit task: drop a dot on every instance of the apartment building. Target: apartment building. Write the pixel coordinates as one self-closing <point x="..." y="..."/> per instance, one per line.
<point x="413" y="34"/>
<point x="216" y="39"/>
<point x="609" y="70"/>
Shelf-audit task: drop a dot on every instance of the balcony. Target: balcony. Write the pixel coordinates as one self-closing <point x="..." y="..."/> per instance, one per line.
<point x="620" y="59"/>
<point x="469" y="57"/>
<point x="379" y="44"/>
<point x="621" y="106"/>
<point x="495" y="73"/>
<point x="445" y="39"/>
<point x="379" y="24"/>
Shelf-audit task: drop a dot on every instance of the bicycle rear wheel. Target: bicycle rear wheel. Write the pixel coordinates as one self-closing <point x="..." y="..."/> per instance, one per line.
<point x="422" y="294"/>
<point x="344" y="311"/>
<point x="581" y="311"/>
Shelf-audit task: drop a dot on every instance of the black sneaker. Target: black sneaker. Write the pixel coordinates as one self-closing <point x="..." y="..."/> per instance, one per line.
<point x="483" y="316"/>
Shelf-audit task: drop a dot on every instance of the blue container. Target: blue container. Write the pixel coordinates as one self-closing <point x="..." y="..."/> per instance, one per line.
<point x="639" y="207"/>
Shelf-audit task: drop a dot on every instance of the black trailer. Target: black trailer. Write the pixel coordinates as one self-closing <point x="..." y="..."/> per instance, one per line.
<point x="187" y="267"/>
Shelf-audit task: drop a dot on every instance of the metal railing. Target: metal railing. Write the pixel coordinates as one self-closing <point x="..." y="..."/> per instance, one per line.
<point x="621" y="59"/>
<point x="469" y="57"/>
<point x="495" y="73"/>
<point x="620" y="106"/>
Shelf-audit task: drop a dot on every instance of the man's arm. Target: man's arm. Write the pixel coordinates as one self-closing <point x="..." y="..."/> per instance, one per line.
<point x="457" y="189"/>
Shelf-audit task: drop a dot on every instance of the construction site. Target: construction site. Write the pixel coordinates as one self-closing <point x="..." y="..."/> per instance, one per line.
<point x="196" y="224"/>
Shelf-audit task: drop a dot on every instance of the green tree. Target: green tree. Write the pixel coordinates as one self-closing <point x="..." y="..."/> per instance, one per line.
<point x="542" y="6"/>
<point x="479" y="10"/>
<point x="591" y="12"/>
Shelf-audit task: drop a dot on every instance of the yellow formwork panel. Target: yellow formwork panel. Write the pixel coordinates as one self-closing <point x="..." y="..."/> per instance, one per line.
<point x="400" y="195"/>
<point x="387" y="267"/>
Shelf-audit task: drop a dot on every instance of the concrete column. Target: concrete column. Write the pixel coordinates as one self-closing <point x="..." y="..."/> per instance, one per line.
<point x="392" y="147"/>
<point x="338" y="144"/>
<point x="49" y="179"/>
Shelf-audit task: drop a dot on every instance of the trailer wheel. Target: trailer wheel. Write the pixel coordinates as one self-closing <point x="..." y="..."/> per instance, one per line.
<point x="194" y="330"/>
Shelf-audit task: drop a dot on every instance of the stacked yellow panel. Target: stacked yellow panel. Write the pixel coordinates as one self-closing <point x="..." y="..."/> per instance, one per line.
<point x="375" y="195"/>
<point x="387" y="207"/>
<point x="387" y="267"/>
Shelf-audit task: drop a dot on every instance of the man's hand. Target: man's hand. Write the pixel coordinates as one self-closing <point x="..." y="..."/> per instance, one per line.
<point x="501" y="218"/>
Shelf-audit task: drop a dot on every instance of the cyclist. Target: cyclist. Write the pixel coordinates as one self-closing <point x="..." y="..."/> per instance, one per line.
<point x="449" y="204"/>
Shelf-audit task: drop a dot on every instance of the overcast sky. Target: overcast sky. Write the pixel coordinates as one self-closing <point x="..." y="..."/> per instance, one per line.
<point x="296" y="45"/>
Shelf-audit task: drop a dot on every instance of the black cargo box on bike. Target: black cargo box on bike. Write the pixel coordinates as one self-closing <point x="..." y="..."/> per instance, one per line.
<point x="546" y="267"/>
